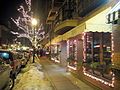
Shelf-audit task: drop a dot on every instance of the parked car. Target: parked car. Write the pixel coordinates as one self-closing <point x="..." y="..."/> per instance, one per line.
<point x="13" y="59"/>
<point x="6" y="80"/>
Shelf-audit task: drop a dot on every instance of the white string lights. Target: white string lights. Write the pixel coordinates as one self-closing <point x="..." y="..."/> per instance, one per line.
<point x="24" y="21"/>
<point x="74" y="42"/>
<point x="111" y="84"/>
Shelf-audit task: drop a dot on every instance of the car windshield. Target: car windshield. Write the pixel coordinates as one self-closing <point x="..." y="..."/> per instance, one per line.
<point x="5" y="55"/>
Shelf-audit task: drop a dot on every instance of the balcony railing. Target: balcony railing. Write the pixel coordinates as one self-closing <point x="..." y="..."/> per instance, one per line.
<point x="65" y="12"/>
<point x="73" y="9"/>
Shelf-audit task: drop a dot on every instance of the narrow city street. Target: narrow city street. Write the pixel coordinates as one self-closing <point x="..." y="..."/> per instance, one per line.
<point x="47" y="75"/>
<point x="59" y="45"/>
<point x="59" y="78"/>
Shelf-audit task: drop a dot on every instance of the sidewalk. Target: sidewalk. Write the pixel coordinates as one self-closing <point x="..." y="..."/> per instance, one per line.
<point x="60" y="79"/>
<point x="32" y="77"/>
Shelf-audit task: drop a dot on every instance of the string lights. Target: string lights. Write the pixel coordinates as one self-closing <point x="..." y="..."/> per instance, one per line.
<point x="84" y="48"/>
<point x="74" y="66"/>
<point x="71" y="67"/>
<point x="101" y="80"/>
<point x="24" y="22"/>
<point x="111" y="84"/>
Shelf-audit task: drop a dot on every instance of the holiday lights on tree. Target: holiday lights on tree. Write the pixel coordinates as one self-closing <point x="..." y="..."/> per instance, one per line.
<point x="24" y="22"/>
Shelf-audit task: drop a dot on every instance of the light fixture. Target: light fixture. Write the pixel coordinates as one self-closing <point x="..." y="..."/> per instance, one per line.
<point x="34" y="22"/>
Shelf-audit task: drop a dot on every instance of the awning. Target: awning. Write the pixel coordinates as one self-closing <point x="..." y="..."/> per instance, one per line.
<point x="72" y="33"/>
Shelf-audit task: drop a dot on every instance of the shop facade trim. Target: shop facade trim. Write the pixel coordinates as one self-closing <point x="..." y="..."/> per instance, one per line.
<point x="64" y="24"/>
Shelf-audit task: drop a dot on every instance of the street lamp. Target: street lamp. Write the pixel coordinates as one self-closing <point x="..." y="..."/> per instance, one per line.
<point x="34" y="23"/>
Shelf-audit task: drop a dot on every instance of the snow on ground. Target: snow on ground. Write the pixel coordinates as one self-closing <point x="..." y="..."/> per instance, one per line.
<point x="32" y="78"/>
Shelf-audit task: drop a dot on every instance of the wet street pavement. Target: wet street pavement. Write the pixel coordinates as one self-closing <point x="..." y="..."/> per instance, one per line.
<point x="59" y="78"/>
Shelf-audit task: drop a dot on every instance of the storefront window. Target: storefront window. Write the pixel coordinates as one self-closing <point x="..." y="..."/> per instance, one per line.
<point x="55" y="53"/>
<point x="72" y="51"/>
<point x="97" y="50"/>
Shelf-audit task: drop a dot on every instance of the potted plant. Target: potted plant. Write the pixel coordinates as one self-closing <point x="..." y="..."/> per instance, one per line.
<point x="70" y="58"/>
<point x="94" y="66"/>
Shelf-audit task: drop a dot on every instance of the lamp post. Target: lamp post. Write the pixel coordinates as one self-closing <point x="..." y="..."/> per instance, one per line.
<point x="34" y="23"/>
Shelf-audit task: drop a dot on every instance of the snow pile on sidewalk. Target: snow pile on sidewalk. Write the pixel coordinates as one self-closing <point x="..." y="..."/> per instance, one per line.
<point x="32" y="79"/>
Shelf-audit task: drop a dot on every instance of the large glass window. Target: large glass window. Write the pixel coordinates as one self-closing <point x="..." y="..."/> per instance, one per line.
<point x="97" y="53"/>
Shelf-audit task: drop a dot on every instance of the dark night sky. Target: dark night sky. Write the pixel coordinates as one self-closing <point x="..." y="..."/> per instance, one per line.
<point x="8" y="9"/>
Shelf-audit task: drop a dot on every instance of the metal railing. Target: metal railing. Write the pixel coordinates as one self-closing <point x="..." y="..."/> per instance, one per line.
<point x="73" y="9"/>
<point x="65" y="11"/>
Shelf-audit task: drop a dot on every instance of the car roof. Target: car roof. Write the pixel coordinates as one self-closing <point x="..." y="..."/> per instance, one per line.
<point x="3" y="50"/>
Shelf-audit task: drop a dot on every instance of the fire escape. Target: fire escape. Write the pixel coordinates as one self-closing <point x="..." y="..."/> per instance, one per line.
<point x="64" y="15"/>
